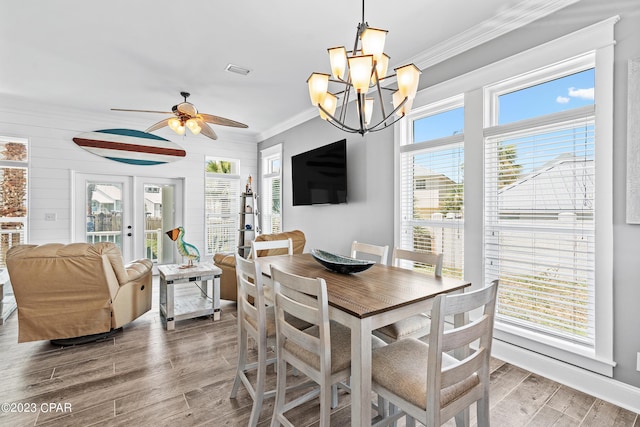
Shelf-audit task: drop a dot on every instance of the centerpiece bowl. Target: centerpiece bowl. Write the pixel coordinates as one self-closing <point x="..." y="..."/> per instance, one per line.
<point x="339" y="263"/>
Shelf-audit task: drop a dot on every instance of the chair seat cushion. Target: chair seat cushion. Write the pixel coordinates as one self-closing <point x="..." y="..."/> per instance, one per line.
<point x="340" y="348"/>
<point x="401" y="368"/>
<point x="406" y="327"/>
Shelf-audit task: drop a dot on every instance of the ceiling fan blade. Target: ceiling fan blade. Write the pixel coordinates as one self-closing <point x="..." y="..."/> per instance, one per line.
<point x="162" y="123"/>
<point x="206" y="130"/>
<point x="141" y="111"/>
<point x="216" y="120"/>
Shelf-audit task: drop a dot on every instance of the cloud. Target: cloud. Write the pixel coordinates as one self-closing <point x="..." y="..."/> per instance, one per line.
<point x="562" y="99"/>
<point x="581" y="93"/>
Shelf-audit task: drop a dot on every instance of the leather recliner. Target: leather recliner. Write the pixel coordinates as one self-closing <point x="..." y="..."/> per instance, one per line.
<point x="76" y="290"/>
<point x="227" y="261"/>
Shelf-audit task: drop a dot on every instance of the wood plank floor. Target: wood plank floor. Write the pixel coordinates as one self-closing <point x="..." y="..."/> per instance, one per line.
<point x="146" y="376"/>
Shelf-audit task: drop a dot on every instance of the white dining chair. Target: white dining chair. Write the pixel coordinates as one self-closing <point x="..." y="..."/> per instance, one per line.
<point x="264" y="247"/>
<point x="382" y="252"/>
<point x="255" y="320"/>
<point x="416" y="326"/>
<point x="425" y="380"/>
<point x="321" y="352"/>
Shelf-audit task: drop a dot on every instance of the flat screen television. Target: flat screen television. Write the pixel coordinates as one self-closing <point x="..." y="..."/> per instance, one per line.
<point x="319" y="176"/>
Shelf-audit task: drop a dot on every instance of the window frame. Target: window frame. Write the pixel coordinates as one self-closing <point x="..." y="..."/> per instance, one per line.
<point x="234" y="178"/>
<point x="598" y="38"/>
<point x="268" y="155"/>
<point x="25" y="165"/>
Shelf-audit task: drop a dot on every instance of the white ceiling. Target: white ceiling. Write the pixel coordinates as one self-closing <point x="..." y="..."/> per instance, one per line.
<point x="97" y="55"/>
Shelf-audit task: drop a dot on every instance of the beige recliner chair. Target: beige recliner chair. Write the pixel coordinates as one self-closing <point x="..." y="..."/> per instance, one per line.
<point x="76" y="290"/>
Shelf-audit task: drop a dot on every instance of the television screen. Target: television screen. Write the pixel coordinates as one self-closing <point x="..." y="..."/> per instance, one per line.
<point x="320" y="176"/>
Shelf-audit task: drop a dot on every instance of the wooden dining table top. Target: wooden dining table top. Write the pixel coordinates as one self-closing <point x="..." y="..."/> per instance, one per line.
<point x="373" y="291"/>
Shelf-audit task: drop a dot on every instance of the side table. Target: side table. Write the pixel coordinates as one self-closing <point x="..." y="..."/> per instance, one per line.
<point x="188" y="307"/>
<point x="7" y="300"/>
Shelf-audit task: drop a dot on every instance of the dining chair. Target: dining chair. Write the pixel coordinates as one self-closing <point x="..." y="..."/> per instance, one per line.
<point x="262" y="248"/>
<point x="416" y="326"/>
<point x="255" y="320"/>
<point x="367" y="248"/>
<point x="321" y="352"/>
<point x="426" y="381"/>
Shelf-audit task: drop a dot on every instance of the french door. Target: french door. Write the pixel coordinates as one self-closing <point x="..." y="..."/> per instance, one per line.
<point x="131" y="211"/>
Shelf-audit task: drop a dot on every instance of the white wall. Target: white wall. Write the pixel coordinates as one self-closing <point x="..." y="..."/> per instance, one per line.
<point x="53" y="155"/>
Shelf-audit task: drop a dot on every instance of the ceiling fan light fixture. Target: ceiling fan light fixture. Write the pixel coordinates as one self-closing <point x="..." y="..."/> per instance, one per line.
<point x="193" y="126"/>
<point x="175" y="124"/>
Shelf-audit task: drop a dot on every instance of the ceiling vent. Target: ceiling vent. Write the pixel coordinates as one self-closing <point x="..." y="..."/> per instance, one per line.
<point x="237" y="69"/>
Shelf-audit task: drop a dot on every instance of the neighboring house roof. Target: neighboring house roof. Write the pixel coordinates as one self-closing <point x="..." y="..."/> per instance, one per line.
<point x="564" y="184"/>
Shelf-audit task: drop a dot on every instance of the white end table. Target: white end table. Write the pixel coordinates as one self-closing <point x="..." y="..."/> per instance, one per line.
<point x="189" y="307"/>
<point x="7" y="300"/>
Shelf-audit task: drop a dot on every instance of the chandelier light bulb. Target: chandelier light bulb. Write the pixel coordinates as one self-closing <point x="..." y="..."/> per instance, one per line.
<point x="318" y="86"/>
<point x="360" y="71"/>
<point x="373" y="42"/>
<point x="381" y="69"/>
<point x="329" y="103"/>
<point x="408" y="77"/>
<point x="338" y="60"/>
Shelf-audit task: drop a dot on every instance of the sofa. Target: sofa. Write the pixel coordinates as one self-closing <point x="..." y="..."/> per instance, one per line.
<point x="76" y="290"/>
<point x="227" y="261"/>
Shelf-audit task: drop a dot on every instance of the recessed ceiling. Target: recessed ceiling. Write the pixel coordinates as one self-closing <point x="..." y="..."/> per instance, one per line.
<point x="93" y="56"/>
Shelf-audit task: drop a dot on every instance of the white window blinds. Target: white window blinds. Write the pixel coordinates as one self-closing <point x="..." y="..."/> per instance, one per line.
<point x="539" y="223"/>
<point x="431" y="200"/>
<point x="222" y="204"/>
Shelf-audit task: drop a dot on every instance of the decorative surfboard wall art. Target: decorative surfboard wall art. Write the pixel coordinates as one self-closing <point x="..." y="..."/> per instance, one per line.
<point x="130" y="146"/>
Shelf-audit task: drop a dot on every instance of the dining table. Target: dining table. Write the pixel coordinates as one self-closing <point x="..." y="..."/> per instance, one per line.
<point x="366" y="301"/>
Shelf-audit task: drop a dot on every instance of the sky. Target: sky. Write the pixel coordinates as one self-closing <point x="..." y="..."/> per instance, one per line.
<point x="573" y="91"/>
<point x="565" y="93"/>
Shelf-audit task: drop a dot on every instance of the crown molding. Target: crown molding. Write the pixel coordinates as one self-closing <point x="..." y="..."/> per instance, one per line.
<point x="506" y="21"/>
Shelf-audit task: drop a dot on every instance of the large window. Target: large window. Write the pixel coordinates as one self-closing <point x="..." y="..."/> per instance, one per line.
<point x="13" y="193"/>
<point x="538" y="176"/>
<point x="222" y="201"/>
<point x="431" y="185"/>
<point x="271" y="214"/>
<point x="540" y="201"/>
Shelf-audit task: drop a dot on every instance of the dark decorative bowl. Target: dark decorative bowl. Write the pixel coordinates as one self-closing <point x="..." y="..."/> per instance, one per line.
<point x="339" y="263"/>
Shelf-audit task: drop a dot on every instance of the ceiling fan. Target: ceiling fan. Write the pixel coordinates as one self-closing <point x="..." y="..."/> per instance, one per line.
<point x="187" y="116"/>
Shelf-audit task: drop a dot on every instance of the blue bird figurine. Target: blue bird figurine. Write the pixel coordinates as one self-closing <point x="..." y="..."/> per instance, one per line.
<point x="185" y="249"/>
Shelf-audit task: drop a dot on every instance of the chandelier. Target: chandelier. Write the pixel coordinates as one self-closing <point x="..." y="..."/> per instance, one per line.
<point x="359" y="73"/>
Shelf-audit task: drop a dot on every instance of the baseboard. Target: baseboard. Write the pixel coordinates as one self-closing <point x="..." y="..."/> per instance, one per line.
<point x="607" y="389"/>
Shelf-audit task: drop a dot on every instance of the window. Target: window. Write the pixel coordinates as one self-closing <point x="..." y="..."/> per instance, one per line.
<point x="13" y="193"/>
<point x="431" y="185"/>
<point x="222" y="201"/>
<point x="272" y="190"/>
<point x="538" y="208"/>
<point x="540" y="203"/>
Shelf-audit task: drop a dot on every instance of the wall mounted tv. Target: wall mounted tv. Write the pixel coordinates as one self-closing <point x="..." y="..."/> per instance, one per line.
<point x="319" y="176"/>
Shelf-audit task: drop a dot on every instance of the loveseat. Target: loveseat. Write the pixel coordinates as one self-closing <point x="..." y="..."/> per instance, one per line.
<point x="76" y="290"/>
<point x="227" y="261"/>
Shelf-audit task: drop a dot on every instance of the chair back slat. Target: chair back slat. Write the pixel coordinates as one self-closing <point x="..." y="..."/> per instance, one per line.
<point x="258" y="248"/>
<point x="379" y="251"/>
<point x="424" y="258"/>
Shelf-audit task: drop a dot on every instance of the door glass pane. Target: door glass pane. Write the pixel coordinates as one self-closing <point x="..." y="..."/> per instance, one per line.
<point x="153" y="222"/>
<point x="104" y="212"/>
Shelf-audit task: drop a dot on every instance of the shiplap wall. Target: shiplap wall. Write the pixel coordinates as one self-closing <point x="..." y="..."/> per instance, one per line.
<point x="53" y="156"/>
